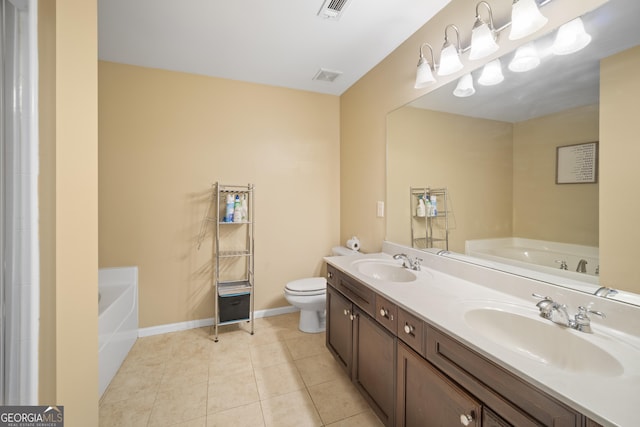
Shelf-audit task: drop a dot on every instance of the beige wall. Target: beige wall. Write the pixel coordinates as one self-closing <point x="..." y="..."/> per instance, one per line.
<point x="69" y="212"/>
<point x="165" y="137"/>
<point x="363" y="110"/>
<point x="421" y="145"/>
<point x="542" y="209"/>
<point x="619" y="171"/>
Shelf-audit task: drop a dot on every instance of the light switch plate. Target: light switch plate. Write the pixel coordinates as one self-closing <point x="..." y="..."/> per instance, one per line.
<point x="380" y="209"/>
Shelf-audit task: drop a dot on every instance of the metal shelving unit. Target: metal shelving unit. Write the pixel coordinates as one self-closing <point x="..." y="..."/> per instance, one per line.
<point x="233" y="257"/>
<point x="429" y="231"/>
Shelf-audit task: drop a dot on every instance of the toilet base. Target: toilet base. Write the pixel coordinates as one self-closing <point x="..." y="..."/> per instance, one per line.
<point x="312" y="322"/>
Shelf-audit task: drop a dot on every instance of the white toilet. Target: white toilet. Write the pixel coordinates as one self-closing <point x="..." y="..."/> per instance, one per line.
<point x="310" y="296"/>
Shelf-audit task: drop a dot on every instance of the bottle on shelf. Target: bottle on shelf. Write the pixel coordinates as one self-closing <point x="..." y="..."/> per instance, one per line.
<point x="421" y="210"/>
<point x="428" y="206"/>
<point x="237" y="210"/>
<point x="434" y="206"/>
<point x="228" y="215"/>
<point x="243" y="208"/>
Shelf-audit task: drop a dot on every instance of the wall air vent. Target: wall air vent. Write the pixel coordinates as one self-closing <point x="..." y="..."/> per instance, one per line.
<point x="325" y="75"/>
<point x="332" y="9"/>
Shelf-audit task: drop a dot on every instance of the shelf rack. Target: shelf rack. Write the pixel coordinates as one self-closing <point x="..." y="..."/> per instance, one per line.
<point x="233" y="257"/>
<point x="429" y="231"/>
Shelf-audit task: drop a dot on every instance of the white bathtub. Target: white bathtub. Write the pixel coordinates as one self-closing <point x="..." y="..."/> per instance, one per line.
<point x="541" y="256"/>
<point x="117" y="319"/>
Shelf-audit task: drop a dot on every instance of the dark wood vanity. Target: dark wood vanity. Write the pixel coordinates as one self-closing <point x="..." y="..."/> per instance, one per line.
<point x="413" y="374"/>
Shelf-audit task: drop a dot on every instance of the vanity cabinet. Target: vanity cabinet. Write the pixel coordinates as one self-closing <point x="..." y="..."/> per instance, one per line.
<point x="365" y="349"/>
<point x="427" y="398"/>
<point x="414" y="375"/>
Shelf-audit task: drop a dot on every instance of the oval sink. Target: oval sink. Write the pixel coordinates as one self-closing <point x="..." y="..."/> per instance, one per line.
<point x="544" y="342"/>
<point x="385" y="270"/>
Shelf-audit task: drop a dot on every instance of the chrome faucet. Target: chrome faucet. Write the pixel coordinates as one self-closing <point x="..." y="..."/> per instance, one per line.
<point x="557" y="313"/>
<point x="582" y="266"/>
<point x="408" y="262"/>
<point x="604" y="292"/>
<point x="563" y="264"/>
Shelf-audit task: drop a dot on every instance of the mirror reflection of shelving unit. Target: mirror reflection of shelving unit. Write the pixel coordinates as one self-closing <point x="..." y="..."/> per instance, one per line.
<point x="233" y="256"/>
<point x="429" y="231"/>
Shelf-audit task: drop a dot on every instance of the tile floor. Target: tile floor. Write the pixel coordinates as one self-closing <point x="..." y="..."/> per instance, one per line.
<point x="278" y="377"/>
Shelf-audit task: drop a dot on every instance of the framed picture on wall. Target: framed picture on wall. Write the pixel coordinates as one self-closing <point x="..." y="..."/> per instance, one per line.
<point x="577" y="163"/>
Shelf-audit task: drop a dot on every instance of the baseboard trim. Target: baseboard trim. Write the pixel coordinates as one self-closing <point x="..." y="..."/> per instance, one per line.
<point x="193" y="324"/>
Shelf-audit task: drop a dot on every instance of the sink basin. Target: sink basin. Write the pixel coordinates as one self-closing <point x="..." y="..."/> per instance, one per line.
<point x="384" y="270"/>
<point x="543" y="341"/>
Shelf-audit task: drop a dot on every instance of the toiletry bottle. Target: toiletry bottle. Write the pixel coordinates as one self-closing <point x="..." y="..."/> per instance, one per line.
<point x="228" y="215"/>
<point x="243" y="208"/>
<point x="428" y="206"/>
<point x="237" y="210"/>
<point x="434" y="206"/>
<point x="421" y="209"/>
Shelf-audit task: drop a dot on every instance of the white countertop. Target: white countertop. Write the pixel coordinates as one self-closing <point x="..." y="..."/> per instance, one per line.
<point x="441" y="295"/>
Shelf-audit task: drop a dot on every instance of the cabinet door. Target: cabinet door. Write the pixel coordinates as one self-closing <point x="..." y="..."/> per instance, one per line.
<point x="426" y="398"/>
<point x="374" y="365"/>
<point x="339" y="331"/>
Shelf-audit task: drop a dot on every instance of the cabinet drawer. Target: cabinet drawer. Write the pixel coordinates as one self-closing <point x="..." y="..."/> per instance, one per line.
<point x="358" y="293"/>
<point x="332" y="275"/>
<point x="387" y="314"/>
<point x="411" y="330"/>
<point x="517" y="402"/>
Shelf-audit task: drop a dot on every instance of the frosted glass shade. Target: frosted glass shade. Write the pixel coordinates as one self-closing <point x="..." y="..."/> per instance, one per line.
<point x="465" y="87"/>
<point x="483" y="42"/>
<point x="491" y="74"/>
<point x="424" y="76"/>
<point x="449" y="61"/>
<point x="526" y="58"/>
<point x="526" y="19"/>
<point x="570" y="38"/>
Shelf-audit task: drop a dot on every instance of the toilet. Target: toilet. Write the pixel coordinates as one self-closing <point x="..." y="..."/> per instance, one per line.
<point x="310" y="296"/>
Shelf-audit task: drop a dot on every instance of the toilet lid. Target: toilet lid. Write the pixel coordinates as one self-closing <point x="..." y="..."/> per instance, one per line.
<point x="311" y="285"/>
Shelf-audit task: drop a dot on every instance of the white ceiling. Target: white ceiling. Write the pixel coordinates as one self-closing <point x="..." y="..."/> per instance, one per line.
<point x="278" y="42"/>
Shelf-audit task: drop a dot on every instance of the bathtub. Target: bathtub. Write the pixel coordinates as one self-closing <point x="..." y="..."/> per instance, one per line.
<point x="541" y="256"/>
<point x="117" y="319"/>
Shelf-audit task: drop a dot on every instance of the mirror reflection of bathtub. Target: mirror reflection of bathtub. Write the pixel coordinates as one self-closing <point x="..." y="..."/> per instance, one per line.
<point x="545" y="256"/>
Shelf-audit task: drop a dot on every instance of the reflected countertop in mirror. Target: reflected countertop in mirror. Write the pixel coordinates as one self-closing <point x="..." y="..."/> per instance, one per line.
<point x="495" y="151"/>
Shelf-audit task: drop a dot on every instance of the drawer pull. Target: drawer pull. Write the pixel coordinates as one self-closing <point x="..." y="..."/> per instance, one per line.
<point x="329" y="275"/>
<point x="385" y="313"/>
<point x="346" y="312"/>
<point x="408" y="329"/>
<point x="467" y="419"/>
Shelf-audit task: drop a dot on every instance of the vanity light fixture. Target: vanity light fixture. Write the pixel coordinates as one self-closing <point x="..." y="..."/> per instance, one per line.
<point x="465" y="87"/>
<point x="491" y="74"/>
<point x="483" y="35"/>
<point x="570" y="38"/>
<point x="526" y="19"/>
<point x="450" y="54"/>
<point x="526" y="58"/>
<point x="424" y="75"/>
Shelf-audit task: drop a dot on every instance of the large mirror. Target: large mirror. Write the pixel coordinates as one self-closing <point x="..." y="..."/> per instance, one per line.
<point x="496" y="154"/>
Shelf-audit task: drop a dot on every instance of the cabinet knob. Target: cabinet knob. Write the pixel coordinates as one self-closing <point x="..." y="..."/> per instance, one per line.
<point x="329" y="275"/>
<point x="384" y="312"/>
<point x="353" y="316"/>
<point x="467" y="419"/>
<point x="408" y="329"/>
<point x="346" y="312"/>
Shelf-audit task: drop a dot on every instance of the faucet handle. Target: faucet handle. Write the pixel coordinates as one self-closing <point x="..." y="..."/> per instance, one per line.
<point x="563" y="264"/>
<point x="542" y="297"/>
<point x="584" y="312"/>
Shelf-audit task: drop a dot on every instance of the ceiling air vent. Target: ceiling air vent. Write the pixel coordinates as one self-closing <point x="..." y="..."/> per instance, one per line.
<point x="325" y="75"/>
<point x="332" y="9"/>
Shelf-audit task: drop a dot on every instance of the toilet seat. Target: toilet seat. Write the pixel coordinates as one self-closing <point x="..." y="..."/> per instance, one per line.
<point x="308" y="286"/>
